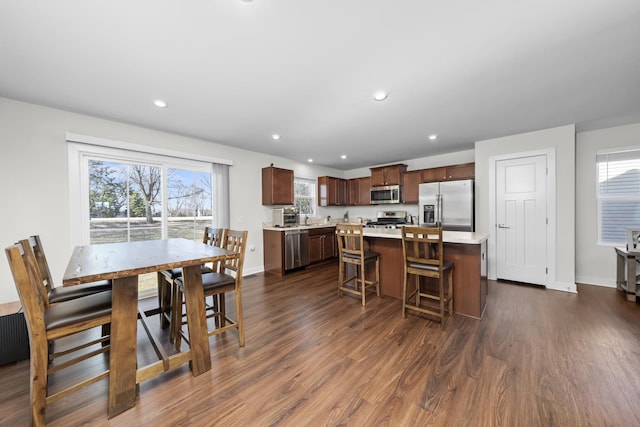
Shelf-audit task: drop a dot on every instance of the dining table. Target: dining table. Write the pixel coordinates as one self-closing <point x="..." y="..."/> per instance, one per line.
<point x="123" y="263"/>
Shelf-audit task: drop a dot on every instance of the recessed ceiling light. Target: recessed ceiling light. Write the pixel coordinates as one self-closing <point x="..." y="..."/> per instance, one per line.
<point x="344" y="156"/>
<point x="275" y="137"/>
<point x="380" y="96"/>
<point x="310" y="160"/>
<point x="160" y="103"/>
<point x="433" y="137"/>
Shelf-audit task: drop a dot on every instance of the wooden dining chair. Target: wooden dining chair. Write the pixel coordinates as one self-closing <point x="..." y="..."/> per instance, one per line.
<point x="352" y="252"/>
<point x="424" y="257"/>
<point x="216" y="284"/>
<point x="54" y="294"/>
<point x="166" y="280"/>
<point x="48" y="323"/>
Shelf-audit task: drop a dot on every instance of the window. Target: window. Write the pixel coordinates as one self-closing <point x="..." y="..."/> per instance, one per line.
<point x="618" y="194"/>
<point x="126" y="201"/>
<point x="304" y="196"/>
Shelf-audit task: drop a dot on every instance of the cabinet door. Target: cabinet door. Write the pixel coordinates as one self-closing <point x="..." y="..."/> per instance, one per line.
<point x="315" y="248"/>
<point x="434" y="174"/>
<point x="377" y="177"/>
<point x="393" y="174"/>
<point x="410" y="181"/>
<point x="353" y="194"/>
<point x="364" y="190"/>
<point x="329" y="246"/>
<point x="277" y="186"/>
<point x="463" y="171"/>
<point x="341" y="196"/>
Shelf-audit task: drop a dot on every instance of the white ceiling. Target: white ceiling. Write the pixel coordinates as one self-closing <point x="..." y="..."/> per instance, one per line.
<point x="235" y="72"/>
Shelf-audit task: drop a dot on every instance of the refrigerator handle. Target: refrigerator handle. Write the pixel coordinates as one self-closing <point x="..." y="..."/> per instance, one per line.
<point x="438" y="210"/>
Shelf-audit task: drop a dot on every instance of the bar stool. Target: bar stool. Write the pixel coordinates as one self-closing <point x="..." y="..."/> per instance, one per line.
<point x="352" y="252"/>
<point x="423" y="257"/>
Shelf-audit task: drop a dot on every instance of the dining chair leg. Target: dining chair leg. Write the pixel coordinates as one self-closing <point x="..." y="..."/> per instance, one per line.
<point x="363" y="287"/>
<point x="340" y="278"/>
<point x="38" y="372"/>
<point x="223" y="309"/>
<point x="441" y="289"/>
<point x="404" y="296"/>
<point x="239" y="315"/>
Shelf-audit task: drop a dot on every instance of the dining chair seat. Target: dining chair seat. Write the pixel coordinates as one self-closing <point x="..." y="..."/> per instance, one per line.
<point x="78" y="310"/>
<point x="368" y="255"/>
<point x="212" y="281"/>
<point x="56" y="294"/>
<point x="445" y="266"/>
<point x="66" y="293"/>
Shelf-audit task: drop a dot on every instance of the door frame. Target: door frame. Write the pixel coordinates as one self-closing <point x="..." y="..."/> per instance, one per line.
<point x="492" y="248"/>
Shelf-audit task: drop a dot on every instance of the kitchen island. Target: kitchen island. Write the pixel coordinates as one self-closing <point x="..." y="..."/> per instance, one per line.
<point x="466" y="250"/>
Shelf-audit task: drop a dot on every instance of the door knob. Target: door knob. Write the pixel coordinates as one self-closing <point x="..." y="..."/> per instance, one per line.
<point x="503" y="226"/>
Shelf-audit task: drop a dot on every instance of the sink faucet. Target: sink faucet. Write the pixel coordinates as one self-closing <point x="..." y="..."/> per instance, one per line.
<point x="306" y="220"/>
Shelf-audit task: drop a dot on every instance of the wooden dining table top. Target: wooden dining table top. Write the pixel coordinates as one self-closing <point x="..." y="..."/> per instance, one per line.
<point x="114" y="260"/>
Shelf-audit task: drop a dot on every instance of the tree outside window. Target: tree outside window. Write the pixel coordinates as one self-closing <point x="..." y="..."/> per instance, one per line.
<point x="304" y="196"/>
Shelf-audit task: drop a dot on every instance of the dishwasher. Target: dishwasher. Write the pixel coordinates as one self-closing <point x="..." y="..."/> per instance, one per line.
<point x="296" y="249"/>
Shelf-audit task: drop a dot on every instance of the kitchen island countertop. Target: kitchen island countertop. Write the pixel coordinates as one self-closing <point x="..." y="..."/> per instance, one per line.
<point x="464" y="237"/>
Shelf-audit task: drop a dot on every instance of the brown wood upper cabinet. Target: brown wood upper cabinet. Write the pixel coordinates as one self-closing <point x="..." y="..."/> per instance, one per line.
<point x="332" y="191"/>
<point x="449" y="173"/>
<point x="387" y="175"/>
<point x="359" y="191"/>
<point x="410" y="183"/>
<point x="277" y="186"/>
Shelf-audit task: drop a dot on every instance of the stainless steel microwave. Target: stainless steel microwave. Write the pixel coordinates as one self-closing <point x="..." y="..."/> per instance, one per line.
<point x="387" y="194"/>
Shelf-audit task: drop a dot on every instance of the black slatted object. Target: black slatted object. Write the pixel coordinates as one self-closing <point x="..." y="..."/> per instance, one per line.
<point x="14" y="338"/>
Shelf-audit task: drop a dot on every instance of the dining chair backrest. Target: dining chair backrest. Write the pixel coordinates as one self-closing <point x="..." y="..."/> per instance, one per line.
<point x="350" y="240"/>
<point x="28" y="284"/>
<point x="235" y="241"/>
<point x="423" y="248"/>
<point x="213" y="236"/>
<point x="34" y="245"/>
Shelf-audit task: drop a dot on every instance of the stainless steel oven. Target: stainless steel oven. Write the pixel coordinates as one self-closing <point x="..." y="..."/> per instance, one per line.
<point x="387" y="194"/>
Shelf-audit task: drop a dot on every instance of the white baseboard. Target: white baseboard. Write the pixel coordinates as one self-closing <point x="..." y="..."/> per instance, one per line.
<point x="563" y="286"/>
<point x="254" y="270"/>
<point x="597" y="281"/>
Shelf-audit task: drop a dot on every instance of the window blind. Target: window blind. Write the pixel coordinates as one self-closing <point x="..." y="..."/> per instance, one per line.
<point x="618" y="194"/>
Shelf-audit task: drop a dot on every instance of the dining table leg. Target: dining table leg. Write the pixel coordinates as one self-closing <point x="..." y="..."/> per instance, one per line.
<point x="196" y="319"/>
<point x="122" y="355"/>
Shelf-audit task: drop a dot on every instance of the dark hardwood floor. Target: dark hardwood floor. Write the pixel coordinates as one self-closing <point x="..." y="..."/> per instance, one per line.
<point x="537" y="358"/>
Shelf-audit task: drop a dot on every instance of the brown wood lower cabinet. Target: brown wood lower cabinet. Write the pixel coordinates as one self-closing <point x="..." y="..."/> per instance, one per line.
<point x="273" y="248"/>
<point x="322" y="244"/>
<point x="469" y="273"/>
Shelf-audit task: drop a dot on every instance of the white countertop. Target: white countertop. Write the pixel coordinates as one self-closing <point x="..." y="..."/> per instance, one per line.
<point x="299" y="227"/>
<point x="464" y="237"/>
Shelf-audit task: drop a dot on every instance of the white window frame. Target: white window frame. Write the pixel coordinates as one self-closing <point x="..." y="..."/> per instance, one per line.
<point x="618" y="152"/>
<point x="81" y="149"/>
<point x="313" y="197"/>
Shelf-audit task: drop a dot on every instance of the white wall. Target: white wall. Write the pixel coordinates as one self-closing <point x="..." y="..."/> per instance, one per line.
<point x="562" y="140"/>
<point x="595" y="264"/>
<point x="34" y="179"/>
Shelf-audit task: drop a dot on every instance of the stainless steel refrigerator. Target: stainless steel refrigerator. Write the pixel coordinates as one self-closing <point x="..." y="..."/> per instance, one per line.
<point x="448" y="204"/>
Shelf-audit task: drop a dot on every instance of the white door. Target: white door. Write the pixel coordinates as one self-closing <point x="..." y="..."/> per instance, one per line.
<point x="521" y="219"/>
